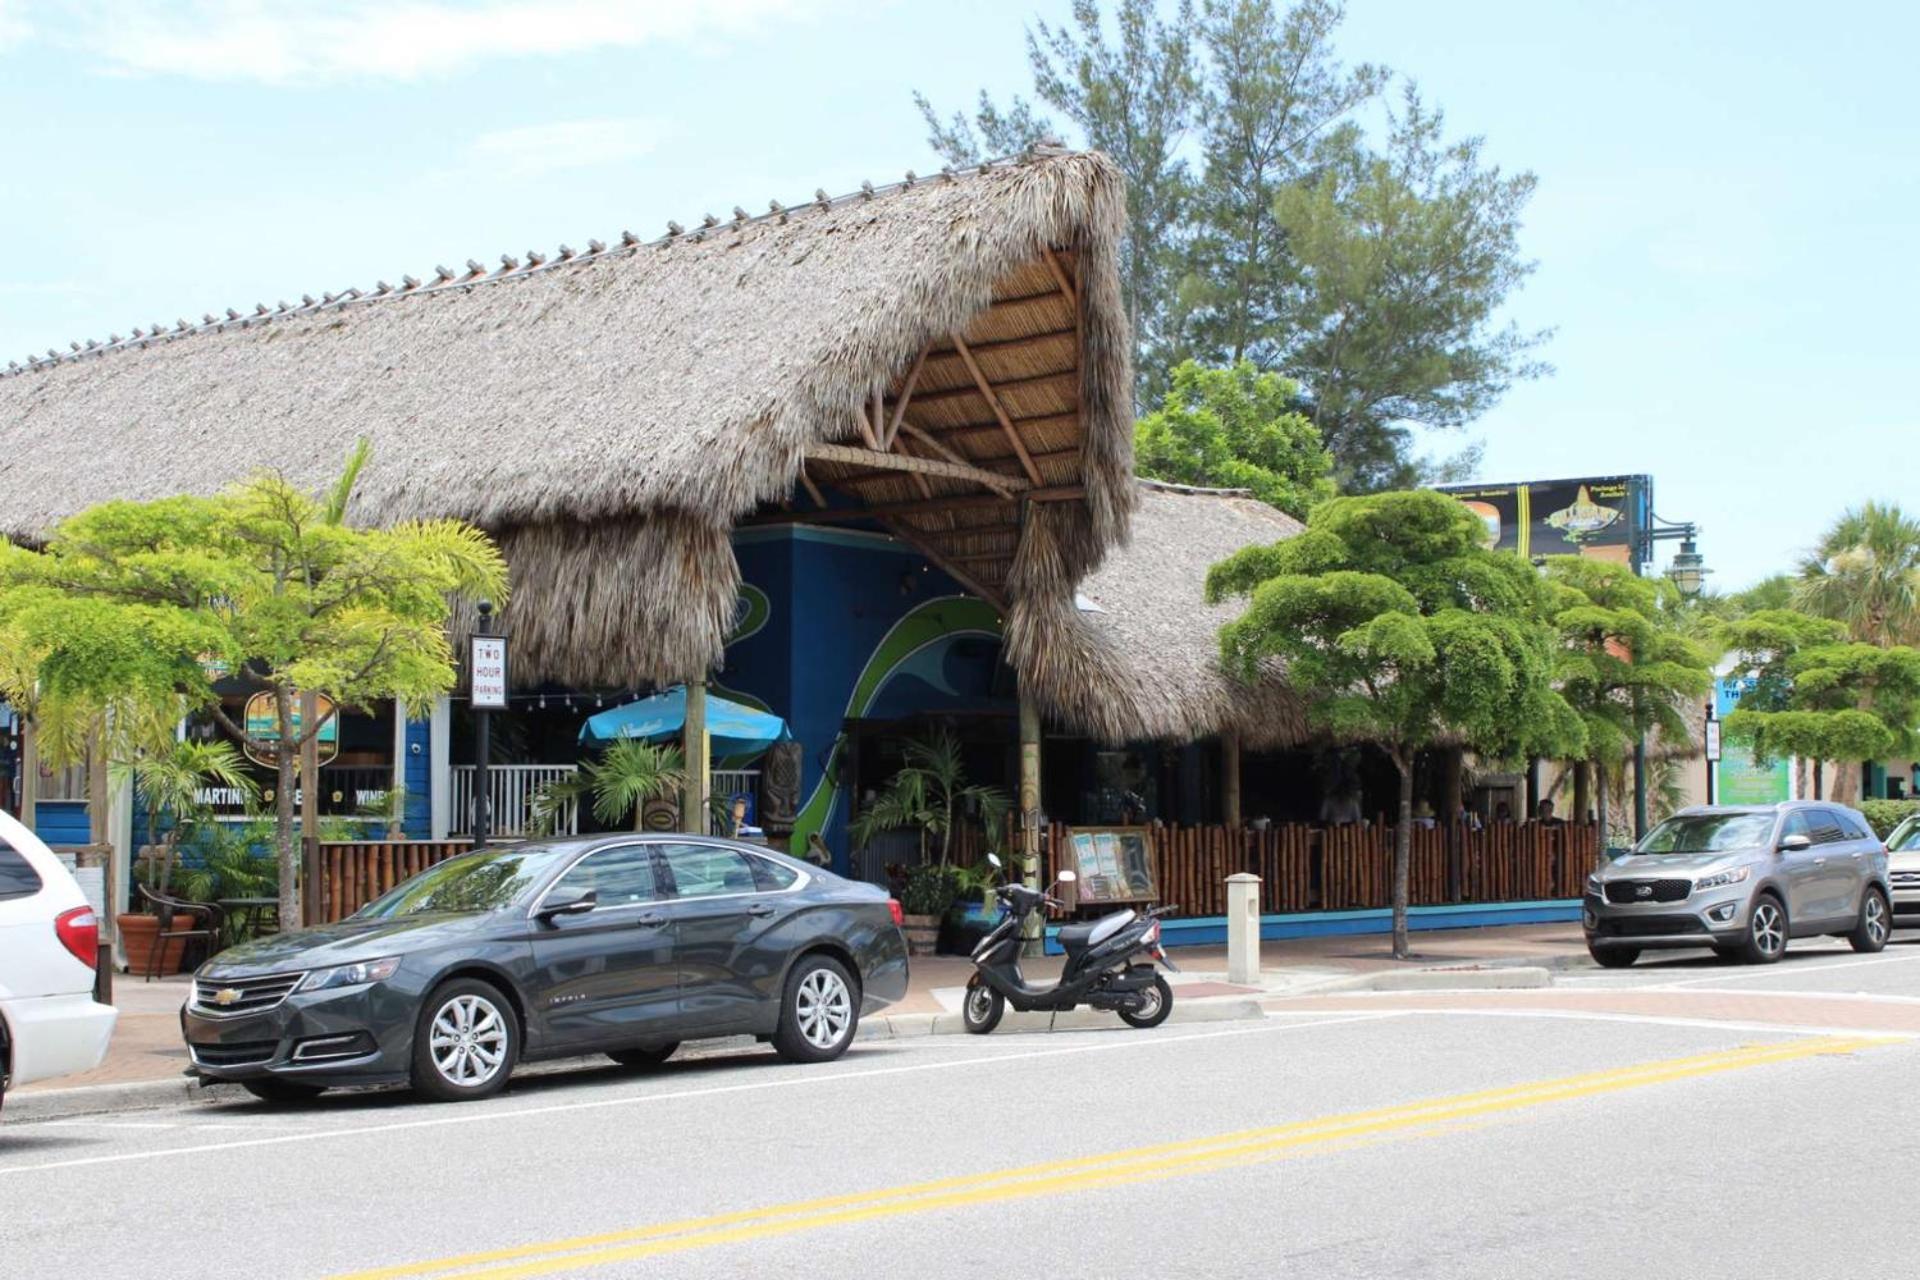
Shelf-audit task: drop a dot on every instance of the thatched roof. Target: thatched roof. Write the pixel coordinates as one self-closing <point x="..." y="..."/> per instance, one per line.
<point x="930" y="354"/>
<point x="1139" y="657"/>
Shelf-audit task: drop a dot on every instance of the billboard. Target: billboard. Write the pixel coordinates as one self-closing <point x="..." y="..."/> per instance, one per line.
<point x="1603" y="516"/>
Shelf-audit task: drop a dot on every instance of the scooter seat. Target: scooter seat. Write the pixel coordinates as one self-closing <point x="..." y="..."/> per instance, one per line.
<point x="1075" y="938"/>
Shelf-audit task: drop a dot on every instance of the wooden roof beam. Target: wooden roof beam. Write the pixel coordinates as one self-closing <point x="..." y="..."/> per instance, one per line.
<point x="888" y="510"/>
<point x="993" y="402"/>
<point x="1060" y="278"/>
<point x="1005" y="486"/>
<point x="1070" y="376"/>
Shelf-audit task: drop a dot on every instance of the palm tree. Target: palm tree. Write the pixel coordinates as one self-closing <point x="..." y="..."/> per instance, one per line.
<point x="171" y="782"/>
<point x="928" y="794"/>
<point x="627" y="775"/>
<point x="1865" y="573"/>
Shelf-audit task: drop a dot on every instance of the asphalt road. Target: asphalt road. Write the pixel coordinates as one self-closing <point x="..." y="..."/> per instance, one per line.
<point x="1401" y="1137"/>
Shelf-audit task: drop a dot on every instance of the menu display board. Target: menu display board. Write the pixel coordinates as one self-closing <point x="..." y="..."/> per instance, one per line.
<point x="1114" y="864"/>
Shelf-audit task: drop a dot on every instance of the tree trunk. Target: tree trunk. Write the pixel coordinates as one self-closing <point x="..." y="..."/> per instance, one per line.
<point x="1819" y="779"/>
<point x="289" y="852"/>
<point x="1582" y="790"/>
<point x="1402" y="856"/>
<point x="1600" y="796"/>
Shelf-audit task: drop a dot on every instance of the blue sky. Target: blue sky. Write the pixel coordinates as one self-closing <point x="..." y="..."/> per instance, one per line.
<point x="1725" y="221"/>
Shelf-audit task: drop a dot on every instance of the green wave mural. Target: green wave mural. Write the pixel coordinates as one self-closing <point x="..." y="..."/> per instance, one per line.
<point x="928" y="623"/>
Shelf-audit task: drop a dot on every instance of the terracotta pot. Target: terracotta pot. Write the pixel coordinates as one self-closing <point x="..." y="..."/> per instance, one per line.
<point x="923" y="934"/>
<point x="140" y="934"/>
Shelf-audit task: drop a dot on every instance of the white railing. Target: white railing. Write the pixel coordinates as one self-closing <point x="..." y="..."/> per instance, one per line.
<point x="511" y="788"/>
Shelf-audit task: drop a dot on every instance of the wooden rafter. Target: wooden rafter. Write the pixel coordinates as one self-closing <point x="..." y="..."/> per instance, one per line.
<point x="905" y="398"/>
<point x="1067" y="376"/>
<point x="1060" y="278"/>
<point x="912" y="536"/>
<point x="866" y="428"/>
<point x="993" y="402"/>
<point x="813" y="490"/>
<point x="913" y="464"/>
<point x="889" y="510"/>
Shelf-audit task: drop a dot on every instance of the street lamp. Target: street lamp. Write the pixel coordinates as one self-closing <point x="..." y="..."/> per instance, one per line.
<point x="1689" y="568"/>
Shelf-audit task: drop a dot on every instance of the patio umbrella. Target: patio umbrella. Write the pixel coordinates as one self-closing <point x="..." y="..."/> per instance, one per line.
<point x="735" y="730"/>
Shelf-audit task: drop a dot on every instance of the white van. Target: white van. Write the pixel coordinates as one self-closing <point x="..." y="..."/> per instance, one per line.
<point x="50" y="1024"/>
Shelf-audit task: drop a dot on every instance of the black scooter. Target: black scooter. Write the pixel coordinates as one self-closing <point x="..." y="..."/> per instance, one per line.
<point x="1101" y="971"/>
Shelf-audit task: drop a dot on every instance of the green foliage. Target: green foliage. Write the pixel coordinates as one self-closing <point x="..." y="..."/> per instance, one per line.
<point x="1817" y="694"/>
<point x="1885" y="815"/>
<point x="231" y="860"/>
<point x="1233" y="428"/>
<point x="1865" y="574"/>
<point x="1371" y="271"/>
<point x="928" y="795"/>
<point x="169" y="782"/>
<point x="628" y="774"/>
<point x="148" y="603"/>
<point x="1396" y="626"/>
<point x="931" y="889"/>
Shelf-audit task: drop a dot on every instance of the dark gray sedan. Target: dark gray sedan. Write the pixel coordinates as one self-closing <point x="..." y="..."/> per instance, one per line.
<point x="624" y="945"/>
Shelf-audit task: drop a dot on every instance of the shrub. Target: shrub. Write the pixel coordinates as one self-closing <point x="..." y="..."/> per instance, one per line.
<point x="1884" y="815"/>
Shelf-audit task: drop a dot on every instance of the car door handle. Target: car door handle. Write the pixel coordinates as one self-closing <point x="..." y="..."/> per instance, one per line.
<point x="1819" y="862"/>
<point x="652" y="920"/>
<point x="760" y="909"/>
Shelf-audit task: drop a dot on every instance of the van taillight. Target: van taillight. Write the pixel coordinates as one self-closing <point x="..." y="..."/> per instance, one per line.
<point x="79" y="932"/>
<point x="893" y="909"/>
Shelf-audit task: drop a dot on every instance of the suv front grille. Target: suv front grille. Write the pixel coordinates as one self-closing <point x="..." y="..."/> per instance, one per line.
<point x="1648" y="926"/>
<point x="1629" y="891"/>
<point x="250" y="995"/>
<point x="247" y="1053"/>
<point x="1905" y="879"/>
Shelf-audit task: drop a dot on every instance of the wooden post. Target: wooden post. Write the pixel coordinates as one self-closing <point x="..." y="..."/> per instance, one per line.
<point x="1035" y="929"/>
<point x="29" y="772"/>
<point x="698" y="751"/>
<point x="309" y="807"/>
<point x="1230" y="778"/>
<point x="97" y="830"/>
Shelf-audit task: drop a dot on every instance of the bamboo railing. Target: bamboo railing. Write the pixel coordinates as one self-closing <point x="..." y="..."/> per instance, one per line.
<point x="355" y="872"/>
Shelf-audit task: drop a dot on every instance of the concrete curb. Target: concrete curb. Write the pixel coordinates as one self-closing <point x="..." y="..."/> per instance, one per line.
<point x="99" y="1099"/>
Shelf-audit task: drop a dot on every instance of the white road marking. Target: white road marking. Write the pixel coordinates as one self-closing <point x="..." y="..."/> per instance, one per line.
<point x="783" y="1081"/>
<point x="1804" y="967"/>
<point x="1662" y="1020"/>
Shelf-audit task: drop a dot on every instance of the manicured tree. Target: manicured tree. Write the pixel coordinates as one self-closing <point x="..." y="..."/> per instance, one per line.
<point x="1623" y="666"/>
<point x="1397" y="627"/>
<point x="1818" y="695"/>
<point x="151" y="601"/>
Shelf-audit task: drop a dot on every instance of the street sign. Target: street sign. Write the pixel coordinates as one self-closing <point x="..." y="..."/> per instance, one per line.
<point x="489" y="668"/>
<point x="1713" y="740"/>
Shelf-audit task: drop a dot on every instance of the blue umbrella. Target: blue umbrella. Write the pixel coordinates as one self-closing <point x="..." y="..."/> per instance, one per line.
<point x="735" y="730"/>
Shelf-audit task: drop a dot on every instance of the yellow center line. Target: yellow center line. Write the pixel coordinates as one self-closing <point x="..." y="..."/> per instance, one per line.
<point x="1163" y="1160"/>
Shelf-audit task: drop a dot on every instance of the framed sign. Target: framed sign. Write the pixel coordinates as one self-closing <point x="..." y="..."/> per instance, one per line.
<point x="1713" y="741"/>
<point x="489" y="671"/>
<point x="1114" y="864"/>
<point x="262" y="723"/>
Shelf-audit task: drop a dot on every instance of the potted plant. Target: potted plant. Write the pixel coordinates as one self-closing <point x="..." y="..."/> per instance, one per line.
<point x="169" y="784"/>
<point x="928" y="795"/>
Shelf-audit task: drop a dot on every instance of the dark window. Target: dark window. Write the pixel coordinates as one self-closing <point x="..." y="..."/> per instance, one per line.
<point x="1829" y="827"/>
<point x="484" y="881"/>
<point x="1856" y="826"/>
<point x="620" y="877"/>
<point x="18" y="879"/>
<point x="771" y="875"/>
<point x="708" y="870"/>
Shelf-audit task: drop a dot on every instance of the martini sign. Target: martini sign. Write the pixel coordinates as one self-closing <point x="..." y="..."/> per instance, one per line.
<point x="263" y="728"/>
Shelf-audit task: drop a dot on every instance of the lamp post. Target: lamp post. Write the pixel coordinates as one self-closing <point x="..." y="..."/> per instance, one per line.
<point x="1688" y="573"/>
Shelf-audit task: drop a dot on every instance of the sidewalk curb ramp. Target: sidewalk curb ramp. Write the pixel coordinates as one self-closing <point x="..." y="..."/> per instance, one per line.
<point x="1498" y="978"/>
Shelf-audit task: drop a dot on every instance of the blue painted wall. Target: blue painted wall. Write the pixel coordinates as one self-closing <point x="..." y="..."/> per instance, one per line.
<point x="833" y="598"/>
<point x="418" y="780"/>
<point x="62" y="822"/>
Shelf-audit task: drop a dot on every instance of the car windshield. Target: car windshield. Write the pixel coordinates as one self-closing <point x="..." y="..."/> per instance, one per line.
<point x="473" y="882"/>
<point x="1708" y="833"/>
<point x="1905" y="838"/>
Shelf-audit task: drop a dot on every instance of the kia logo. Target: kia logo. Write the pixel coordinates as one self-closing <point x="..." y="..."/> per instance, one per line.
<point x="1644" y="891"/>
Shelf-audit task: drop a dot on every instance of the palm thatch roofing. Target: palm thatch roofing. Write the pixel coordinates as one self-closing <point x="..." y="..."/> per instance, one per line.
<point x="945" y="356"/>
<point x="1138" y="657"/>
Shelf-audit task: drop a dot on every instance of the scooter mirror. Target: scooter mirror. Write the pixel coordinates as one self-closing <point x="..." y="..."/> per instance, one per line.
<point x="994" y="858"/>
<point x="1067" y="877"/>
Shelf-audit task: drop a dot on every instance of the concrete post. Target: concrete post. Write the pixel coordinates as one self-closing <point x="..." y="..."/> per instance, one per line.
<point x="1243" y="928"/>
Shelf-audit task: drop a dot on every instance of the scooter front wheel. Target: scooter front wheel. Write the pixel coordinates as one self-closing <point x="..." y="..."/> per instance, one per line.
<point x="1156" y="1002"/>
<point x="982" y="1009"/>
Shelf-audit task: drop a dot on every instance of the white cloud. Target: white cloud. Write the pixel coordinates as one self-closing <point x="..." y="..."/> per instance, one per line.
<point x="13" y="24"/>
<point x="569" y="144"/>
<point x="316" y="41"/>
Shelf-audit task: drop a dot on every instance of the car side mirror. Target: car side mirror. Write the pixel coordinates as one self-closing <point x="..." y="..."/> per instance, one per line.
<point x="579" y="906"/>
<point x="1794" y="843"/>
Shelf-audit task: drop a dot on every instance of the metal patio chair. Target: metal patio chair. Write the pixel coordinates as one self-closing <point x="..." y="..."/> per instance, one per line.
<point x="208" y="922"/>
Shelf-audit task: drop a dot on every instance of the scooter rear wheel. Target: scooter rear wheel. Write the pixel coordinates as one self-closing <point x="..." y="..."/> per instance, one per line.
<point x="981" y="1010"/>
<point x="1156" y="1002"/>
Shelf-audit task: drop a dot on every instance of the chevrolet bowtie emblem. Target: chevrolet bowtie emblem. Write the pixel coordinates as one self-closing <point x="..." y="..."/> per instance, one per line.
<point x="225" y="996"/>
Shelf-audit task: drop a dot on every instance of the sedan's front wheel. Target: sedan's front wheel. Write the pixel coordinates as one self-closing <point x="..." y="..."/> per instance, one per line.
<point x="819" y="1012"/>
<point x="466" y="1043"/>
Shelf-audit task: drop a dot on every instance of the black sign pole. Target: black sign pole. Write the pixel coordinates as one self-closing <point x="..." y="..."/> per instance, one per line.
<point x="1713" y="757"/>
<point x="482" y="737"/>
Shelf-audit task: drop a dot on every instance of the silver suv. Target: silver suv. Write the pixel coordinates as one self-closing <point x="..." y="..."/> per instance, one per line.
<point x="1742" y="880"/>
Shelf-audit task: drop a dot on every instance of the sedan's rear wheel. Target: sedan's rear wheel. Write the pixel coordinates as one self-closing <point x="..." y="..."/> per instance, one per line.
<point x="466" y="1043"/>
<point x="643" y="1058"/>
<point x="818" y="1013"/>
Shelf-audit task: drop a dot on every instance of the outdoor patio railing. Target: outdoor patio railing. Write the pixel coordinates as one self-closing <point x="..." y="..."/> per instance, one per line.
<point x="512" y="788"/>
<point x="355" y="872"/>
